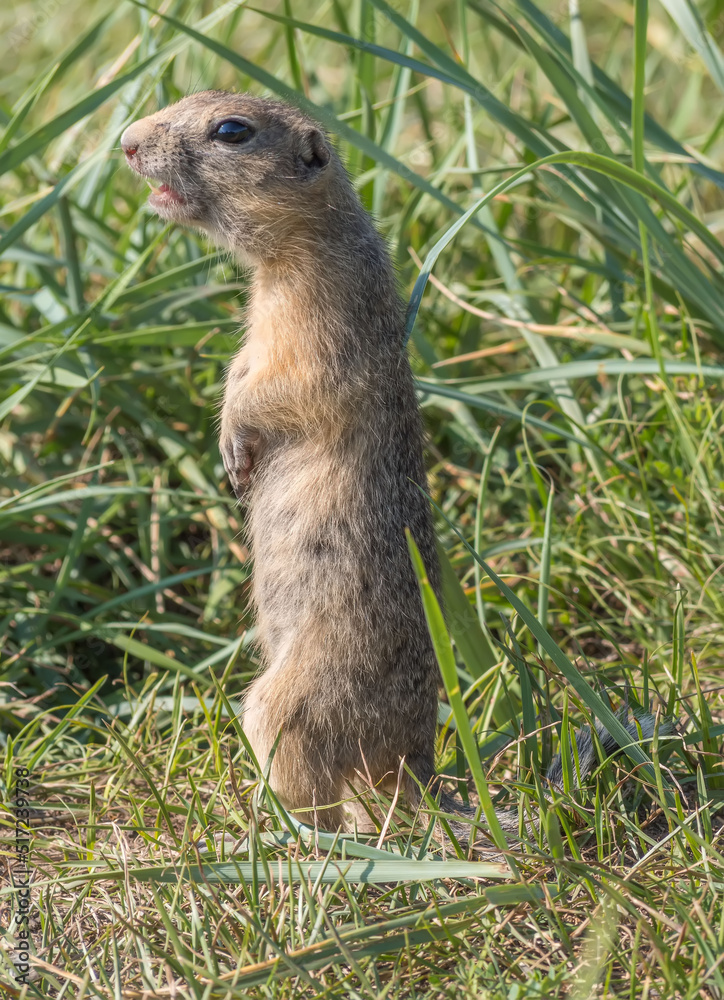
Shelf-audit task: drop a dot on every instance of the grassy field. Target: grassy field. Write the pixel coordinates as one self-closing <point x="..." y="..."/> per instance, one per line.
<point x="569" y="346"/>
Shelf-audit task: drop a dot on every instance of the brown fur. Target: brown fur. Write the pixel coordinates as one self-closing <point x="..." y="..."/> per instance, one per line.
<point x="320" y="430"/>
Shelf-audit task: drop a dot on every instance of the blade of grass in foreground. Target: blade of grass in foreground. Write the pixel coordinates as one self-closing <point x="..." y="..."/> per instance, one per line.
<point x="371" y="871"/>
<point x="446" y="659"/>
<point x="479" y="518"/>
<point x="470" y="639"/>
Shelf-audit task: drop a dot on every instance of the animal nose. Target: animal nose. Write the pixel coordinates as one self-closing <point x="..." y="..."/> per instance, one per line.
<point x="129" y="142"/>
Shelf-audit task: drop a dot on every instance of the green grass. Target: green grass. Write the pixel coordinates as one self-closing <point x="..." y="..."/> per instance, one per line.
<point x="568" y="338"/>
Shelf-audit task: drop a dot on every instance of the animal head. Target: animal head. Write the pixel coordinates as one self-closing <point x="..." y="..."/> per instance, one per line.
<point x="254" y="174"/>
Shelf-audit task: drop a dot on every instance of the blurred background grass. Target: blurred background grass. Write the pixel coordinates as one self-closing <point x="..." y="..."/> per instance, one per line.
<point x="568" y="350"/>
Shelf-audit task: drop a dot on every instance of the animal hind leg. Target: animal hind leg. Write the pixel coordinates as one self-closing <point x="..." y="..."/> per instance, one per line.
<point x="303" y="781"/>
<point x="299" y="776"/>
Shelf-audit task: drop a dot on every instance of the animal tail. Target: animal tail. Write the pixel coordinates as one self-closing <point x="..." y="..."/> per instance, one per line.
<point x="641" y="729"/>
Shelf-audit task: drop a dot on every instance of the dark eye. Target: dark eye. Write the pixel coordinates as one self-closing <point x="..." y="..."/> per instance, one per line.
<point x="233" y="131"/>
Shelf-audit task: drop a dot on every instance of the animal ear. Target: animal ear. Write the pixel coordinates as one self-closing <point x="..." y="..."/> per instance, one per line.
<point x="315" y="153"/>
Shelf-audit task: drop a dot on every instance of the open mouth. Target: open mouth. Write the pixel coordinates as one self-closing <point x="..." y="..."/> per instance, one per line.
<point x="164" y="196"/>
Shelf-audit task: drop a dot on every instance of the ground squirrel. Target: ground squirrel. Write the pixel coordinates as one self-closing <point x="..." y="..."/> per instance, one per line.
<point x="321" y="434"/>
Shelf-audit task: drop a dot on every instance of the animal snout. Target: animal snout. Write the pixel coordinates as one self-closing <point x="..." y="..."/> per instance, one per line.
<point x="136" y="135"/>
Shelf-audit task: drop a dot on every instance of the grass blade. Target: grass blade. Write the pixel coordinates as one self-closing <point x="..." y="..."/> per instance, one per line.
<point x="446" y="659"/>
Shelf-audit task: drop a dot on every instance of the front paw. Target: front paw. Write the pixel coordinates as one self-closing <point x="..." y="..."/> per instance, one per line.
<point x="239" y="453"/>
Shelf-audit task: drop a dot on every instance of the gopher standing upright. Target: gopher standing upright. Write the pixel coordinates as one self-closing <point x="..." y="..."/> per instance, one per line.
<point x="320" y="432"/>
